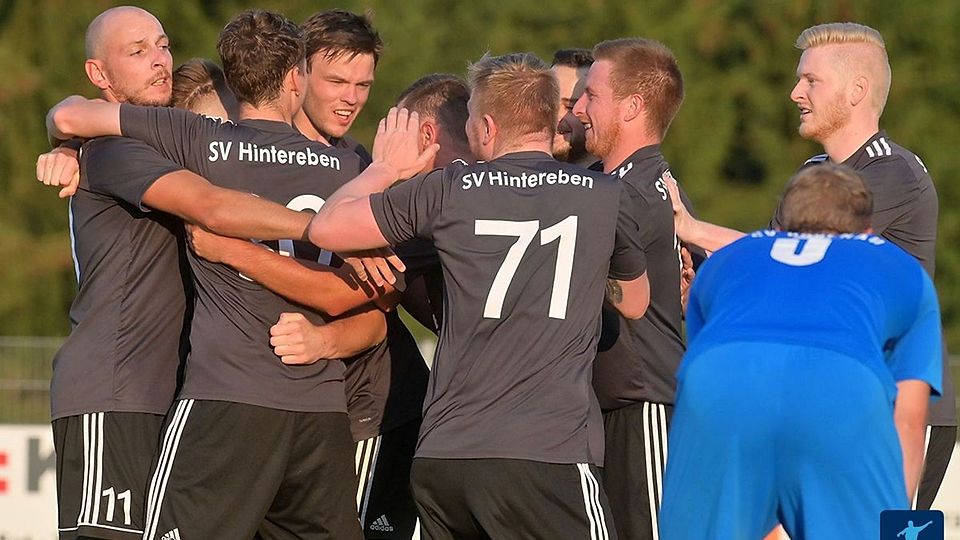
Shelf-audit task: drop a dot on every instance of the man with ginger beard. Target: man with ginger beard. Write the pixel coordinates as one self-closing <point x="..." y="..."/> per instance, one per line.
<point x="633" y="91"/>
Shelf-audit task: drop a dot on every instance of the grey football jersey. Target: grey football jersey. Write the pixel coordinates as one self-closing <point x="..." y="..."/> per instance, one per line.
<point x="128" y="317"/>
<point x="638" y="360"/>
<point x="231" y="358"/>
<point x="526" y="244"/>
<point x="905" y="211"/>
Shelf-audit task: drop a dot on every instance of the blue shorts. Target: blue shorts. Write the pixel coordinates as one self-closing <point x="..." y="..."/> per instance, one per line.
<point x="765" y="433"/>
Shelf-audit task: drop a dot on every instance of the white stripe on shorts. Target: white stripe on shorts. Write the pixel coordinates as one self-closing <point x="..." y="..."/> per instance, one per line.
<point x="368" y="450"/>
<point x="591" y="502"/>
<point x="168" y="451"/>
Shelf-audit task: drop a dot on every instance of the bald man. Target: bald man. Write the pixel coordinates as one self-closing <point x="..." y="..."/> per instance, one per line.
<point x="116" y="375"/>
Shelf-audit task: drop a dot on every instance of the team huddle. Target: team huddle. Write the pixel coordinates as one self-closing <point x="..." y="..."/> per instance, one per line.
<point x="237" y="368"/>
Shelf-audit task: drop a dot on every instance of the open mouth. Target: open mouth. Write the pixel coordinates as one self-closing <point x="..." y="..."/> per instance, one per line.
<point x="162" y="81"/>
<point x="343" y="114"/>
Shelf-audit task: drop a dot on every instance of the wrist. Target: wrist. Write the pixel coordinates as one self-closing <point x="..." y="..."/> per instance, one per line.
<point x="384" y="173"/>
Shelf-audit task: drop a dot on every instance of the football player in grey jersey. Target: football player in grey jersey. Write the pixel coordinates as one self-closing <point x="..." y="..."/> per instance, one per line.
<point x="110" y="395"/>
<point x="509" y="405"/>
<point x="633" y="91"/>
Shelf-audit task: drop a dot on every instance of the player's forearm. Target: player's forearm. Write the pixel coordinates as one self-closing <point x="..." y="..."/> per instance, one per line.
<point x="345" y="221"/>
<point x="77" y="116"/>
<point x="241" y="215"/>
<point x="354" y="334"/>
<point x="707" y="236"/>
<point x="910" y="418"/>
<point x="332" y="291"/>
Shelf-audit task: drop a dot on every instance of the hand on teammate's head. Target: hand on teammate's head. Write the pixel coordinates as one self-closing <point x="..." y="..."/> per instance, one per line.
<point x="397" y="143"/>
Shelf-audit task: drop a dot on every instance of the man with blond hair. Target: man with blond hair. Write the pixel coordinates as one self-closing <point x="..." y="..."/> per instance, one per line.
<point x="633" y="91"/>
<point x="804" y="376"/>
<point x="843" y="82"/>
<point x="527" y="244"/>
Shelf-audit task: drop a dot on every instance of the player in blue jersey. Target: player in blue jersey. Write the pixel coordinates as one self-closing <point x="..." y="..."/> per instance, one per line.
<point x="801" y="374"/>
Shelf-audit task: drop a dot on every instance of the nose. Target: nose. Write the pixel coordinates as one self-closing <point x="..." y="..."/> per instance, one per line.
<point x="162" y="58"/>
<point x="796" y="92"/>
<point x="350" y="95"/>
<point x="580" y="107"/>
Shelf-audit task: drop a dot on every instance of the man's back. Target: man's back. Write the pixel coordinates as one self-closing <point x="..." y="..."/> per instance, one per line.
<point x="805" y="290"/>
<point x="526" y="243"/>
<point x="231" y="358"/>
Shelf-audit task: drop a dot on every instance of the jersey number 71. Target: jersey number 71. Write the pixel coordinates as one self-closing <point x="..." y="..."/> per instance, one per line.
<point x="565" y="231"/>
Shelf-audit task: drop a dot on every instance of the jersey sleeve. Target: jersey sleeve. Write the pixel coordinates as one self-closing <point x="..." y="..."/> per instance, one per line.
<point x="175" y="133"/>
<point x="407" y="210"/>
<point x="893" y="186"/>
<point x="123" y="168"/>
<point x="628" y="261"/>
<point x="918" y="353"/>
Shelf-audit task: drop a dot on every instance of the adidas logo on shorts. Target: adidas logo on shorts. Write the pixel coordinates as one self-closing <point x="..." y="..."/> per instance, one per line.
<point x="381" y="524"/>
<point x="171" y="535"/>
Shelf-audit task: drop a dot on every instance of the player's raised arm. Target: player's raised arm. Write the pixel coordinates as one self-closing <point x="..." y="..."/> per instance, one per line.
<point x="346" y="222"/>
<point x="691" y="230"/>
<point x="77" y="116"/>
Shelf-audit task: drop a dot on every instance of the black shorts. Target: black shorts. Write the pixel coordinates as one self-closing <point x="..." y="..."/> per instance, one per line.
<point x="938" y="449"/>
<point x="103" y="467"/>
<point x="635" y="458"/>
<point x="230" y="471"/>
<point x="384" y="498"/>
<point x="464" y="499"/>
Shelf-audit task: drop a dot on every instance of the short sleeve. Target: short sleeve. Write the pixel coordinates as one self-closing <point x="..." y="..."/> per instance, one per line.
<point x="628" y="261"/>
<point x="408" y="210"/>
<point x="175" y="133"/>
<point x="918" y="354"/>
<point x="893" y="186"/>
<point x="122" y="168"/>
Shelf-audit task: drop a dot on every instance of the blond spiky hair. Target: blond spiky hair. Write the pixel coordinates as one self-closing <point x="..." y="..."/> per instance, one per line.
<point x="864" y="54"/>
<point x="839" y="33"/>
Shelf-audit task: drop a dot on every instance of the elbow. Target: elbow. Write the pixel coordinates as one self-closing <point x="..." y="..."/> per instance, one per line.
<point x="634" y="310"/>
<point x="60" y="123"/>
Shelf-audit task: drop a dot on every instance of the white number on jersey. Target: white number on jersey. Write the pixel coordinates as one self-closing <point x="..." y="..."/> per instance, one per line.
<point x="286" y="247"/>
<point x="785" y="250"/>
<point x="299" y="204"/>
<point x="565" y="231"/>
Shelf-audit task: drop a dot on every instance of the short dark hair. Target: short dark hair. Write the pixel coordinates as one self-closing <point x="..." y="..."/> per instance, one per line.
<point x="827" y="198"/>
<point x="575" y="58"/>
<point x="646" y="67"/>
<point x="258" y="48"/>
<point x="442" y="96"/>
<point x="194" y="80"/>
<point x="338" y="32"/>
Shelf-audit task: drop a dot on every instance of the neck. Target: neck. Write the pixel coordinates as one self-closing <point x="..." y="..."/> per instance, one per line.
<point x="624" y="148"/>
<point x="267" y="111"/>
<point x="844" y="142"/>
<point x="302" y="122"/>
<point x="533" y="142"/>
